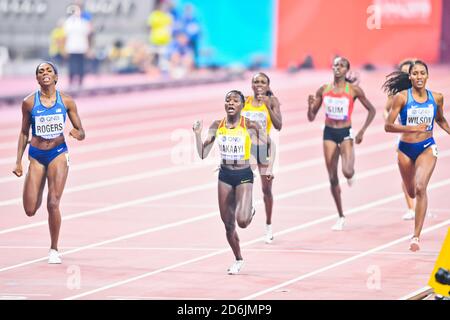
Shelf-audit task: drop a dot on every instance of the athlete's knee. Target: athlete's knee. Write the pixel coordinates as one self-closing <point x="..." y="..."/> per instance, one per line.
<point x="267" y="190"/>
<point x="348" y="173"/>
<point x="410" y="191"/>
<point x="242" y="220"/>
<point x="30" y="211"/>
<point x="53" y="204"/>
<point x="243" y="223"/>
<point x="334" y="181"/>
<point x="421" y="189"/>
<point x="229" y="227"/>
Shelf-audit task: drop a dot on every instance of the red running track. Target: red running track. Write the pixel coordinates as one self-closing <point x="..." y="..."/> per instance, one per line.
<point x="141" y="218"/>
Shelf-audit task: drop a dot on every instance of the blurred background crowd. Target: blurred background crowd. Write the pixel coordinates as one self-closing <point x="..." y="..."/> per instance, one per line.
<point x="175" y="39"/>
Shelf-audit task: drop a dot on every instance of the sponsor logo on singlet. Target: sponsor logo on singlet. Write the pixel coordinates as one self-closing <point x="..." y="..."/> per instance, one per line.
<point x="232" y="147"/>
<point x="257" y="116"/>
<point x="50" y="126"/>
<point x="336" y="108"/>
<point x="416" y="116"/>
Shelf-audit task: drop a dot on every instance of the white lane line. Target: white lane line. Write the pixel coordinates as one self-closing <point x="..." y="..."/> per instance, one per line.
<point x="176" y="224"/>
<point x="310" y="251"/>
<point x="120" y="205"/>
<point x="198" y="164"/>
<point x="171" y="170"/>
<point x="343" y="262"/>
<point x="165" y="136"/>
<point x="290" y="230"/>
<point x="415" y="293"/>
<point x="138" y="129"/>
<point x="166" y="195"/>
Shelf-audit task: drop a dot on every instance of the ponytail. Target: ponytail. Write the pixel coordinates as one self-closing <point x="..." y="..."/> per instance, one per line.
<point x="396" y="82"/>
<point x="352" y="77"/>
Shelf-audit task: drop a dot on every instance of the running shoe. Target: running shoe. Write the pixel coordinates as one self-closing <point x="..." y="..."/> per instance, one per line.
<point x="414" y="244"/>
<point x="236" y="267"/>
<point x="339" y="225"/>
<point x="409" y="215"/>
<point x="53" y="257"/>
<point x="268" y="237"/>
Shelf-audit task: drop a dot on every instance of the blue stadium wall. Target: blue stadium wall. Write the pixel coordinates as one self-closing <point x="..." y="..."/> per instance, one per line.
<point x="235" y="32"/>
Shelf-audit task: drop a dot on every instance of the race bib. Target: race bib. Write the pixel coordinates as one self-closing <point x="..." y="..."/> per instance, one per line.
<point x="232" y="147"/>
<point x="416" y="116"/>
<point x="257" y="116"/>
<point x="49" y="127"/>
<point x="336" y="108"/>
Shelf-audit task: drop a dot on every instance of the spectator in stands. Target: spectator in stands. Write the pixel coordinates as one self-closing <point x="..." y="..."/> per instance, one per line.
<point x="180" y="56"/>
<point x="56" y="50"/>
<point x="192" y="28"/>
<point x="160" y="22"/>
<point x="78" y="31"/>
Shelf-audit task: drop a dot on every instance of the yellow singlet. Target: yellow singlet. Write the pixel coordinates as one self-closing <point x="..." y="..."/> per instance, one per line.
<point x="258" y="114"/>
<point x="234" y="143"/>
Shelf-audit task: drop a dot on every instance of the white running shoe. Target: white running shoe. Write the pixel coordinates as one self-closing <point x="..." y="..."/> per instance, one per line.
<point x="236" y="267"/>
<point x="351" y="181"/>
<point x="268" y="237"/>
<point x="339" y="225"/>
<point x="414" y="244"/>
<point x="53" y="257"/>
<point x="409" y="215"/>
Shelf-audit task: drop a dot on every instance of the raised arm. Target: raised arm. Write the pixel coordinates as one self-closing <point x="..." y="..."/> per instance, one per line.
<point x="440" y="118"/>
<point x="77" y="132"/>
<point x="359" y="94"/>
<point x="314" y="103"/>
<point x="203" y="148"/>
<point x="27" y="104"/>
<point x="390" y="126"/>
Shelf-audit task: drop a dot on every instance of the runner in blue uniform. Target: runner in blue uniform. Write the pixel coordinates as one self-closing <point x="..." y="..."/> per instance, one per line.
<point x="418" y="109"/>
<point x="45" y="111"/>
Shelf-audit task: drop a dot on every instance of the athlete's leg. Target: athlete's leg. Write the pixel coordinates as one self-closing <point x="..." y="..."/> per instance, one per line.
<point x="227" y="214"/>
<point x="33" y="187"/>
<point x="407" y="171"/>
<point x="348" y="158"/>
<point x="331" y="153"/>
<point x="266" y="185"/>
<point x="425" y="165"/>
<point x="244" y="204"/>
<point x="409" y="200"/>
<point x="57" y="175"/>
